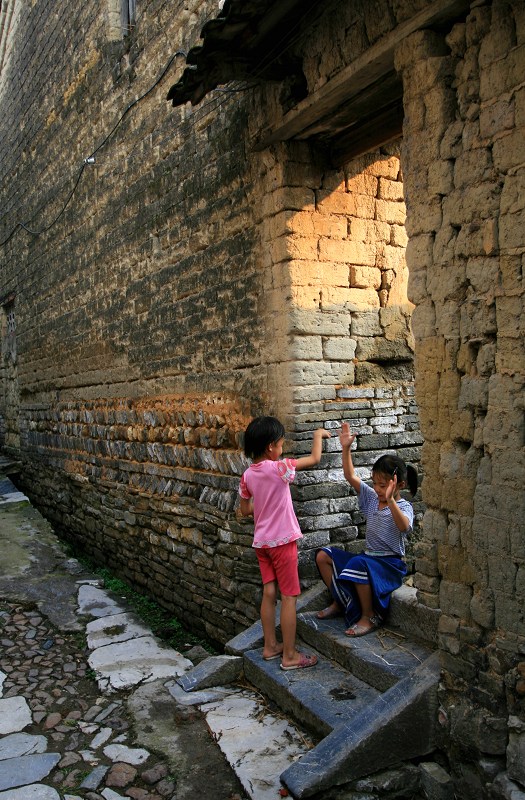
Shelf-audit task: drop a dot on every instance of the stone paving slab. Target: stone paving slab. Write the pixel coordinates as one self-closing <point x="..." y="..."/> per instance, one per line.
<point x="261" y="744"/>
<point x="21" y="744"/>
<point x="15" y="714"/>
<point x="33" y="792"/>
<point x="114" y="628"/>
<point x="26" y="769"/>
<point x="95" y="602"/>
<point x="125" y="664"/>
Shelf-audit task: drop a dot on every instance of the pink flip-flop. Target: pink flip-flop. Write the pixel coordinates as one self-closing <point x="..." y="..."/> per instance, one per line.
<point x="304" y="661"/>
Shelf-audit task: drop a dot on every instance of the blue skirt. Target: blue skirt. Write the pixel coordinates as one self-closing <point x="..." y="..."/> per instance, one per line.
<point x="383" y="573"/>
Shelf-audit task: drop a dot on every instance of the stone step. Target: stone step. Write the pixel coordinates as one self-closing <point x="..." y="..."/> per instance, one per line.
<point x="320" y="698"/>
<point x="370" y="702"/>
<point x="380" y="658"/>
<point x="399" y="725"/>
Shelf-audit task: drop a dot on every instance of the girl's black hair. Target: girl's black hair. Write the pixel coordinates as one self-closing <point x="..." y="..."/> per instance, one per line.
<point x="391" y="465"/>
<point x="261" y="432"/>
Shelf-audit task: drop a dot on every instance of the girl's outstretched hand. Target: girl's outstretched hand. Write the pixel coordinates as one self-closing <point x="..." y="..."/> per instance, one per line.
<point x="346" y="437"/>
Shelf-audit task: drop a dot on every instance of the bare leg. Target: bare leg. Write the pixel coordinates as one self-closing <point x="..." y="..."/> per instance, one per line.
<point x="271" y="645"/>
<point x="292" y="658"/>
<point x="288" y="629"/>
<point x="324" y="563"/>
<point x="364" y="592"/>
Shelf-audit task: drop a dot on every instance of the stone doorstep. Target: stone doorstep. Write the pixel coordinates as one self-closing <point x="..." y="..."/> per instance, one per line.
<point x="319" y="698"/>
<point x="398" y="725"/>
<point x="362" y="692"/>
<point x="406" y="615"/>
<point x="380" y="658"/>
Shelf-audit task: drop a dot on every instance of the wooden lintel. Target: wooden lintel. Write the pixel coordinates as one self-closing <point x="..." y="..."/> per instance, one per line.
<point x="385" y="127"/>
<point x="368" y="68"/>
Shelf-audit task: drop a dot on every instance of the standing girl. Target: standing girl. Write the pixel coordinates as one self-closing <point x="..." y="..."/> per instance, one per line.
<point x="265" y="493"/>
<point x="361" y="585"/>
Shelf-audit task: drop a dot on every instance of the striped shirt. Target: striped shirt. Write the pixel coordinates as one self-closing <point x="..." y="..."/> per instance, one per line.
<point x="383" y="537"/>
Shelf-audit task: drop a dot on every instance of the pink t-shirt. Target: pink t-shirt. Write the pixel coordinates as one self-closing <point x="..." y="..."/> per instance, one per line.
<point x="268" y="482"/>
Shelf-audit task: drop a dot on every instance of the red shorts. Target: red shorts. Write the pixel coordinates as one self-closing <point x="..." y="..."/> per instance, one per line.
<point x="280" y="564"/>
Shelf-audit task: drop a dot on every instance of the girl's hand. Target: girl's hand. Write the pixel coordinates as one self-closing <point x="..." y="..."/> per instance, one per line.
<point x="322" y="432"/>
<point x="391" y="490"/>
<point x="346" y="437"/>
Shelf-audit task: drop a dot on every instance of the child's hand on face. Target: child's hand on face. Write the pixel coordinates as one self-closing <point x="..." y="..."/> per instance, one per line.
<point x="391" y="489"/>
<point x="346" y="437"/>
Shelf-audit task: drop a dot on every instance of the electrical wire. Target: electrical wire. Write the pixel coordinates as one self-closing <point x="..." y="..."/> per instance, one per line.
<point x="205" y="108"/>
<point x="89" y="159"/>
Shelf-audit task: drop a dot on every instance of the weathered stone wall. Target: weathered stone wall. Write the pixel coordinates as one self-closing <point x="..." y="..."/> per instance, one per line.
<point x="188" y="284"/>
<point x="150" y="486"/>
<point x="464" y="165"/>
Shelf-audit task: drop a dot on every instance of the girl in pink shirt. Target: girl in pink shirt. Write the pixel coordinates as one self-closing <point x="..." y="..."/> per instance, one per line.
<point x="265" y="493"/>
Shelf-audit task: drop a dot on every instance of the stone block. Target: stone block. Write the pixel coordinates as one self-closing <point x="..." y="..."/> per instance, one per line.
<point x="339" y="348"/>
<point x="362" y="277"/>
<point x="390" y="211"/>
<point x="306" y="348"/>
<point x="366" y="323"/>
<point x="349" y="252"/>
<point x="436" y="783"/>
<point x="455" y="598"/>
<point x="212" y="671"/>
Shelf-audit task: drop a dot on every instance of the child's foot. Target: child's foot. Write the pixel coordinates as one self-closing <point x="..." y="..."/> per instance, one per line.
<point x="302" y="661"/>
<point x="271" y="653"/>
<point x="364" y="626"/>
<point x="330" y="611"/>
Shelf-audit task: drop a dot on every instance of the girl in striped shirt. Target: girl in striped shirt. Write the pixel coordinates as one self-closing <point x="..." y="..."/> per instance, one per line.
<point x="361" y="585"/>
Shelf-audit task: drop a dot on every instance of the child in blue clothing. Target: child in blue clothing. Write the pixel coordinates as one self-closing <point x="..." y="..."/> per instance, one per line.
<point x="361" y="585"/>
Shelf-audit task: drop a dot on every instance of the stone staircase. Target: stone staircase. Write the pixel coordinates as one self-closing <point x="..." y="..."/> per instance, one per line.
<point x="370" y="703"/>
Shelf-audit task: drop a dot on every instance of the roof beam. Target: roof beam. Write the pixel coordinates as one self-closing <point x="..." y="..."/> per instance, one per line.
<point x="366" y="70"/>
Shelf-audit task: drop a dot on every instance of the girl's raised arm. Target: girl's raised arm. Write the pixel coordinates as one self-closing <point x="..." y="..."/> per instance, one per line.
<point x="317" y="450"/>
<point x="347" y="438"/>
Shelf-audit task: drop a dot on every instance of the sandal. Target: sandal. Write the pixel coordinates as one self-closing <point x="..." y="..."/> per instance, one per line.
<point x="362" y="630"/>
<point x="272" y="658"/>
<point x="304" y="661"/>
<point x="328" y="613"/>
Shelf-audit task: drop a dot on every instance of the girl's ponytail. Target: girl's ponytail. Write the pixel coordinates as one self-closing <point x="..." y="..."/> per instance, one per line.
<point x="412" y="479"/>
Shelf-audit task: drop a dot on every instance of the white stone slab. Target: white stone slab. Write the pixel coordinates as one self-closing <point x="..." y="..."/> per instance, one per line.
<point x="112" y="629"/>
<point x="95" y="602"/>
<point x="124" y="664"/>
<point x="258" y="745"/>
<point x="21" y="744"/>
<point x="37" y="791"/>
<point x="109" y="794"/>
<point x="15" y="497"/>
<point x="15" y="714"/>
<point x="101" y="738"/>
<point x="129" y="755"/>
